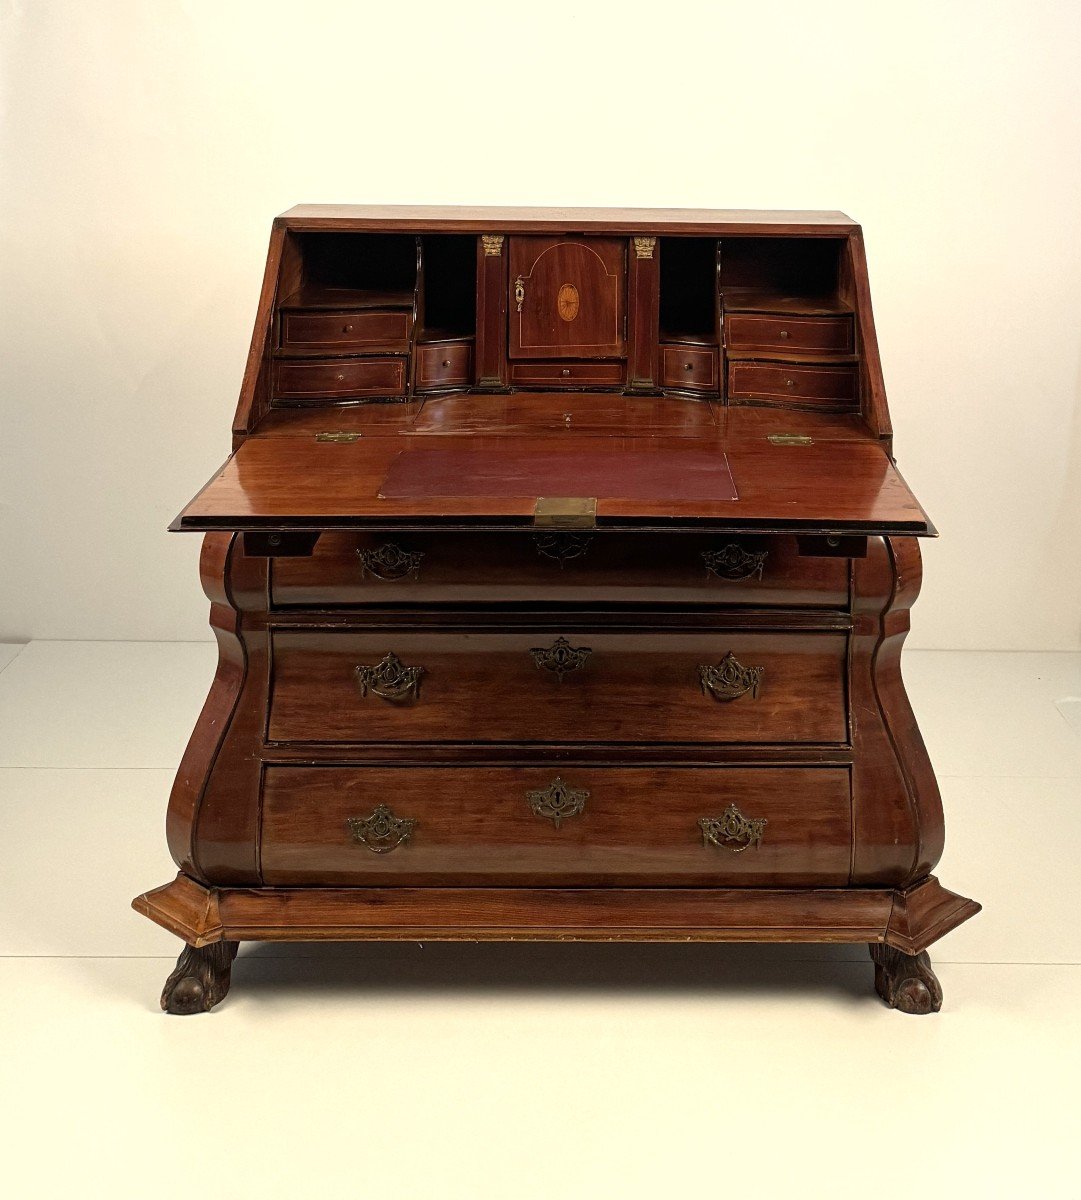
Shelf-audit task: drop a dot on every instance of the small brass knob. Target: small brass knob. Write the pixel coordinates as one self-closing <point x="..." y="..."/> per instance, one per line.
<point x="347" y="329"/>
<point x="565" y="371"/>
<point x="446" y="362"/>
<point x="784" y="334"/>
<point x="688" y="366"/>
<point x="790" y="383"/>
<point x="341" y="378"/>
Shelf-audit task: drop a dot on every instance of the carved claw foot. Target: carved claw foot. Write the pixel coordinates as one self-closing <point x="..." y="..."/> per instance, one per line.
<point x="906" y="981"/>
<point x="200" y="979"/>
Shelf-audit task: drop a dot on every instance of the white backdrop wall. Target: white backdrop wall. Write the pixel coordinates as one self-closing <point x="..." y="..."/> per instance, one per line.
<point x="147" y="146"/>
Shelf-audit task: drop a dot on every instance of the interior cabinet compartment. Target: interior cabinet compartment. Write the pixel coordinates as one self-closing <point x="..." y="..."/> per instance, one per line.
<point x="448" y="291"/>
<point x="688" y="289"/>
<point x="567" y="297"/>
<point x="353" y="270"/>
<point x="782" y="275"/>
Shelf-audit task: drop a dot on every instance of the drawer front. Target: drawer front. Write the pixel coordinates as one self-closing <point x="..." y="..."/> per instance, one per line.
<point x="339" y="379"/>
<point x="567" y="374"/>
<point x="782" y="826"/>
<point x="689" y="368"/>
<point x="579" y="686"/>
<point x="834" y="386"/>
<point x="826" y="334"/>
<point x="443" y="366"/>
<point x="344" y="331"/>
<point x="362" y="569"/>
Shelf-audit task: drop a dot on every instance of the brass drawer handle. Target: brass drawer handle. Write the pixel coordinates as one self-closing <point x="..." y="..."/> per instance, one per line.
<point x="560" y="657"/>
<point x="729" y="679"/>
<point x="734" y="563"/>
<point x="562" y="547"/>
<point x="732" y="830"/>
<point x="389" y="562"/>
<point x="390" y="679"/>
<point x="382" y="831"/>
<point x="557" y="800"/>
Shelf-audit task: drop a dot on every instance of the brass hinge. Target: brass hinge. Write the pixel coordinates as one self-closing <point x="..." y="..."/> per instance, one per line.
<point x="565" y="512"/>
<point x="336" y="436"/>
<point x="790" y="439"/>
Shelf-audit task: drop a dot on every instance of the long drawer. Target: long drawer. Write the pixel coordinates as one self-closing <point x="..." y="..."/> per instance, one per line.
<point x="576" y="686"/>
<point x="361" y="569"/>
<point x="782" y="826"/>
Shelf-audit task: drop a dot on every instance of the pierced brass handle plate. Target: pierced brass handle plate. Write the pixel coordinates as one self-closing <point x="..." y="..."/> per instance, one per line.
<point x="382" y="831"/>
<point x="560" y="657"/>
<point x="390" y="679"/>
<point x="734" y="563"/>
<point x="389" y="562"/>
<point x="557" y="801"/>
<point x="729" y="679"/>
<point x="732" y="830"/>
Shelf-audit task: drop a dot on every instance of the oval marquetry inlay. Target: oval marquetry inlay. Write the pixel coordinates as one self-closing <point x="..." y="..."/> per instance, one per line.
<point x="567" y="302"/>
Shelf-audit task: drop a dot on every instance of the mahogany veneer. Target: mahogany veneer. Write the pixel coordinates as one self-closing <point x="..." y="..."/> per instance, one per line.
<point x="559" y="574"/>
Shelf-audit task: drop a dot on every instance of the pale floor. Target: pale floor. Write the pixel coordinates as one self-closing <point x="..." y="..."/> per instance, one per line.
<point x="521" y="1072"/>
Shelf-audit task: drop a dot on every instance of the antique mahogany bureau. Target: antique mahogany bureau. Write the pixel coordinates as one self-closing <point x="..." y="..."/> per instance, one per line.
<point x="559" y="574"/>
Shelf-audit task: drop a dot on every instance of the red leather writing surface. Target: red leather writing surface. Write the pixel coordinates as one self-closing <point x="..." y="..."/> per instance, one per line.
<point x="658" y="474"/>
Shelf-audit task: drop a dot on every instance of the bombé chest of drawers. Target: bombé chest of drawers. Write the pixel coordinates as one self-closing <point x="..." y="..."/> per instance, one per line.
<point x="559" y="573"/>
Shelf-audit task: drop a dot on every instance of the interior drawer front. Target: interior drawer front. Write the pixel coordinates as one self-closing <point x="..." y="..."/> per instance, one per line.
<point x="349" y="569"/>
<point x="345" y="330"/>
<point x="567" y="374"/>
<point x="577" y="686"/>
<point x="617" y="826"/>
<point x="826" y="334"/>
<point x="339" y="379"/>
<point x="443" y="366"/>
<point x="834" y="386"/>
<point x="693" y="369"/>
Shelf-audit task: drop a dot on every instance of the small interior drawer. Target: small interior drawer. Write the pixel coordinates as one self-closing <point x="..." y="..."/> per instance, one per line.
<point x="827" y="335"/>
<point x="692" y="368"/>
<point x="834" y="386"/>
<point x="567" y="374"/>
<point x="345" y="330"/>
<point x="339" y="379"/>
<point x="443" y="364"/>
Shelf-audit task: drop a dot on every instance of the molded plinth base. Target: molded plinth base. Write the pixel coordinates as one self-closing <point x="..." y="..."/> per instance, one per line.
<point x="899" y="924"/>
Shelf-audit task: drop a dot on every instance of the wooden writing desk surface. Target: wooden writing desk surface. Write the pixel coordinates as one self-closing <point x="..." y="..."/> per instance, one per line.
<point x="560" y="574"/>
<point x="291" y="481"/>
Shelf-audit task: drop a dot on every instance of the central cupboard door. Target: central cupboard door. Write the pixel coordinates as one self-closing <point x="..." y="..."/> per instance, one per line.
<point x="567" y="297"/>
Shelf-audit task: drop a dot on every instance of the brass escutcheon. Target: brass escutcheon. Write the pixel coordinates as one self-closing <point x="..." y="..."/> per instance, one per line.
<point x="560" y="657"/>
<point x="557" y="801"/>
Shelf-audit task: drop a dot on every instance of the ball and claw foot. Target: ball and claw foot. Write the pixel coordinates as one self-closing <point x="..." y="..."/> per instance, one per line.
<point x="906" y="981"/>
<point x="200" y="979"/>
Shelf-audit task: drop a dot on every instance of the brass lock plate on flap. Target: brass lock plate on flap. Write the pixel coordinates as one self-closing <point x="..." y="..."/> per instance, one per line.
<point x="565" y="512"/>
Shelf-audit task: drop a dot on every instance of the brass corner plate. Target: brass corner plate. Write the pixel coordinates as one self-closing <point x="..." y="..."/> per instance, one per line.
<point x="565" y="512"/>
